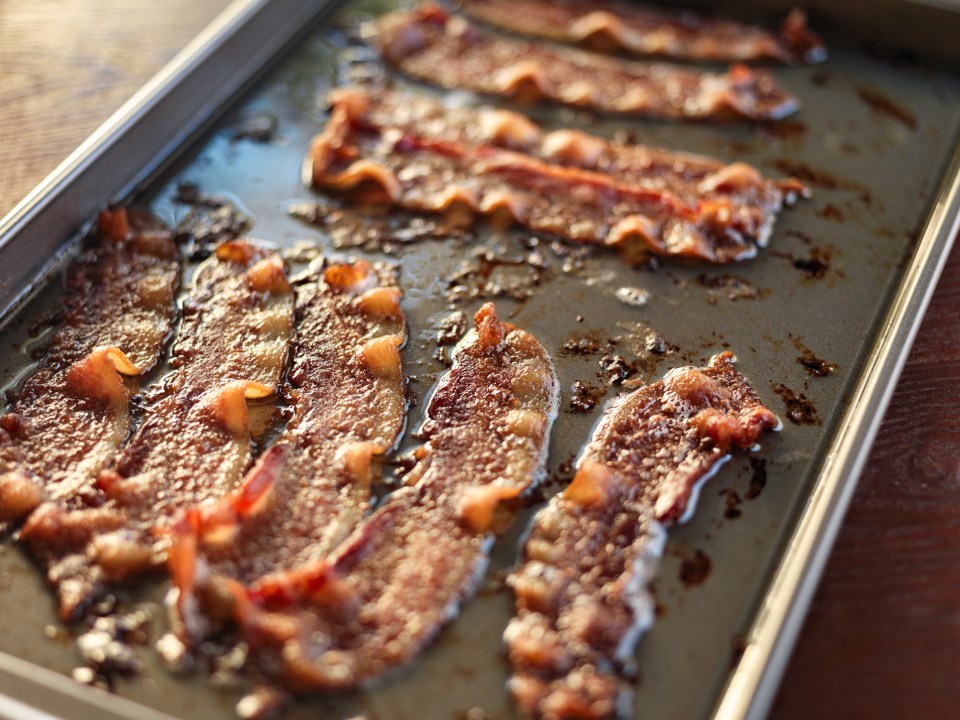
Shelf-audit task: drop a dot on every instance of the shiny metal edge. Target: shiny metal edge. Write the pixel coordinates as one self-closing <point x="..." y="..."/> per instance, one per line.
<point x="136" y="140"/>
<point x="752" y="687"/>
<point x="28" y="692"/>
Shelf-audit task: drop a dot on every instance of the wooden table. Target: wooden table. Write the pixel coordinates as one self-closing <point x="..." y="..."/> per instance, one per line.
<point x="883" y="637"/>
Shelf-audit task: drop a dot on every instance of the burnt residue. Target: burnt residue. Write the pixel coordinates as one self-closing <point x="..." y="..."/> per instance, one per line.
<point x="814" y="266"/>
<point x="738" y="646"/>
<point x="450" y="328"/>
<point x="257" y="127"/>
<point x="585" y="397"/>
<point x="374" y="228"/>
<point x="731" y="287"/>
<point x="758" y="480"/>
<point x="800" y="410"/>
<point x="647" y="345"/>
<point x="882" y="105"/>
<point x="584" y="345"/>
<point x="813" y="176"/>
<point x="694" y="568"/>
<point x="210" y="221"/>
<point x="573" y="257"/>
<point x="615" y="368"/>
<point x="732" y="502"/>
<point x="831" y="212"/>
<point x="783" y="129"/>
<point x="106" y="647"/>
<point x="489" y="273"/>
<point x="815" y="366"/>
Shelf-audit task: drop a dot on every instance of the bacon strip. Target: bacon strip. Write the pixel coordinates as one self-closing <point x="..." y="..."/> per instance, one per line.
<point x="609" y="26"/>
<point x="194" y="444"/>
<point x="390" y="588"/>
<point x="436" y="47"/>
<point x="72" y="414"/>
<point x="423" y="156"/>
<point x="309" y="490"/>
<point x="581" y="590"/>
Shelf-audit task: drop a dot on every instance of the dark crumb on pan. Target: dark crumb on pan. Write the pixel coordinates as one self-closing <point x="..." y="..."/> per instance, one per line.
<point x="882" y="105"/>
<point x="615" y="369"/>
<point x="809" y="361"/>
<point x="373" y="228"/>
<point x="44" y="321"/>
<point x="831" y="212"/>
<point x="732" y="502"/>
<point x="730" y="286"/>
<point x="814" y="267"/>
<point x="488" y="273"/>
<point x="694" y="568"/>
<point x="441" y="356"/>
<point x="106" y="647"/>
<point x="783" y="129"/>
<point x="583" y="345"/>
<point x="584" y="397"/>
<point x="813" y="176"/>
<point x="210" y="221"/>
<point x="450" y="328"/>
<point x="758" y="480"/>
<point x="259" y="128"/>
<point x="800" y="410"/>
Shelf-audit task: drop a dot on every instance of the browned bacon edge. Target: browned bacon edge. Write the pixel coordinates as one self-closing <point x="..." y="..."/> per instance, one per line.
<point x="445" y="50"/>
<point x="312" y="487"/>
<point x="194" y="443"/>
<point x="387" y="591"/>
<point x="630" y="197"/>
<point x="609" y="26"/>
<point x="72" y="414"/>
<point x="581" y="589"/>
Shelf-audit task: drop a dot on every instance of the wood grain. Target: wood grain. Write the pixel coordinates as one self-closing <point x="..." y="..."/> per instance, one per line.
<point x="67" y="65"/>
<point x="883" y="637"/>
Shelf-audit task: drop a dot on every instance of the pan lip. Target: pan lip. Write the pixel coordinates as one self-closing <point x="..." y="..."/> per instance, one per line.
<point x="751" y="688"/>
<point x="774" y="626"/>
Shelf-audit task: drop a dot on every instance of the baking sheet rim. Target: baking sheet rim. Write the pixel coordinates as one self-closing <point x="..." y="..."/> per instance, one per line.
<point x="751" y="687"/>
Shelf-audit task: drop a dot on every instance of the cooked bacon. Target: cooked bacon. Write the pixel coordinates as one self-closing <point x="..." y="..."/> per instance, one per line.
<point x="413" y="152"/>
<point x="72" y="414"/>
<point x="610" y="26"/>
<point x="194" y="443"/>
<point x="581" y="590"/>
<point x="312" y="487"/>
<point x="434" y="46"/>
<point x="389" y="588"/>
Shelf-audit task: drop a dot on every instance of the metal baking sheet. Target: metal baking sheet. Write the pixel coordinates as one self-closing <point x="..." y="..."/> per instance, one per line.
<point x="847" y="275"/>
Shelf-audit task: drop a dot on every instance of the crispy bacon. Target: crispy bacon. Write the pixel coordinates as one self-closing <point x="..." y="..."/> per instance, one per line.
<point x="389" y="588"/>
<point x="436" y="47"/>
<point x="194" y="443"/>
<point x="610" y="26"/>
<point x="308" y="491"/>
<point x="581" y="589"/>
<point x="414" y="152"/>
<point x="72" y="414"/>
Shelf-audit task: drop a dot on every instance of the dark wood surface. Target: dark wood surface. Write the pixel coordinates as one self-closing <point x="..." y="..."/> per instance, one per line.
<point x="883" y="636"/>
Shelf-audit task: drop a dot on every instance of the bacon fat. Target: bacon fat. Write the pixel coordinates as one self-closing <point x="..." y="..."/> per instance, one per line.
<point x="72" y="414"/>
<point x="312" y="487"/>
<point x="446" y="50"/>
<point x="194" y="443"/>
<point x="610" y="26"/>
<point x="414" y="152"/>
<point x="581" y="589"/>
<point x="400" y="577"/>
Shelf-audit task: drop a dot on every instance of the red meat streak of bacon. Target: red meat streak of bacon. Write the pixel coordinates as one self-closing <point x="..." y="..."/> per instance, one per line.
<point x="312" y="487"/>
<point x="445" y="50"/>
<point x="581" y="589"/>
<point x="194" y="443"/>
<point x="386" y="592"/>
<point x="607" y="26"/>
<point x="71" y="416"/>
<point x="416" y="153"/>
